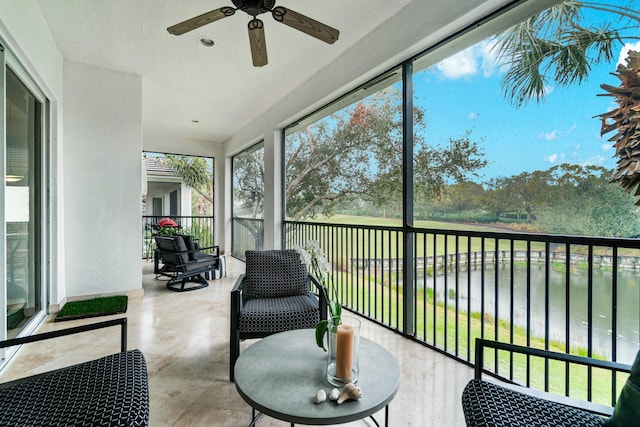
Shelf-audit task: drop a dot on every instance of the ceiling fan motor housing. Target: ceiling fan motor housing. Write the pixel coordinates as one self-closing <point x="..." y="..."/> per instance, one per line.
<point x="254" y="7"/>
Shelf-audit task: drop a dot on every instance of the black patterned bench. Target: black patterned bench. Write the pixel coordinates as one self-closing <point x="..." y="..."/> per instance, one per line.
<point x="109" y="391"/>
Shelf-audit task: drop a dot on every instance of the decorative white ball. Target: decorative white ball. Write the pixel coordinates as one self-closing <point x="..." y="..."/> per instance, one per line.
<point x="334" y="394"/>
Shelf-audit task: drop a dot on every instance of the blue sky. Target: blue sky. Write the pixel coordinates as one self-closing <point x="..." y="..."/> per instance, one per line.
<point x="463" y="92"/>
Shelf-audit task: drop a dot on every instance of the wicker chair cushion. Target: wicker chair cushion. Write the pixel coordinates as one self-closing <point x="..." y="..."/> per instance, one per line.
<point x="270" y="315"/>
<point x="275" y="273"/>
<point x="486" y="404"/>
<point x="110" y="391"/>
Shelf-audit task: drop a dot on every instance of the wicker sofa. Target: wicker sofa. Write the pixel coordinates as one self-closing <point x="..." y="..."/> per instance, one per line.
<point x="109" y="391"/>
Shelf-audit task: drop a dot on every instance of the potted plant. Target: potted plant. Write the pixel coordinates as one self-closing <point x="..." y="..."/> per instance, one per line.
<point x="314" y="258"/>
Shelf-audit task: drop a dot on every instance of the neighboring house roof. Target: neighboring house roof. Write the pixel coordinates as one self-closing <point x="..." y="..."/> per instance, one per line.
<point x="155" y="168"/>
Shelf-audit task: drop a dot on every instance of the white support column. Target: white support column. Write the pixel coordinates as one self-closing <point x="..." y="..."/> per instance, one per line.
<point x="273" y="190"/>
<point x="220" y="202"/>
<point x="227" y="215"/>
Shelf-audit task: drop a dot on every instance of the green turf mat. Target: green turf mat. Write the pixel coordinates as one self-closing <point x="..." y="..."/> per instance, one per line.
<point x="92" y="308"/>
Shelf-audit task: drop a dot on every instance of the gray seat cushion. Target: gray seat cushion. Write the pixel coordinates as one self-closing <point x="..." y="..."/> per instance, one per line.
<point x="275" y="273"/>
<point x="270" y="315"/>
<point x="487" y="404"/>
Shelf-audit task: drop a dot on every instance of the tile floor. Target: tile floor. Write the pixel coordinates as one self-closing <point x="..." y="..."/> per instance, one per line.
<point x="184" y="337"/>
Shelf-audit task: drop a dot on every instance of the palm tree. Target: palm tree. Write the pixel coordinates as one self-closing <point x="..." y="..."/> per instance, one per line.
<point x="558" y="46"/>
<point x="625" y="121"/>
<point x="193" y="171"/>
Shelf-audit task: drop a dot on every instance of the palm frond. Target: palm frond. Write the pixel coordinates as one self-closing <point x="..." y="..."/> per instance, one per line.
<point x="553" y="47"/>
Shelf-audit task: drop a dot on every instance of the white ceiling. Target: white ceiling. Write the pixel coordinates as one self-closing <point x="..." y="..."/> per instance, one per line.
<point x="218" y="86"/>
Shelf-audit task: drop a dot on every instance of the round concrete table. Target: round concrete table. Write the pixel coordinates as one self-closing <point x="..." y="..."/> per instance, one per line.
<point x="280" y="375"/>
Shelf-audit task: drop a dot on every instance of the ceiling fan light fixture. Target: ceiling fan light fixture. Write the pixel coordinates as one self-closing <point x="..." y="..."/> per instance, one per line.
<point x="13" y="178"/>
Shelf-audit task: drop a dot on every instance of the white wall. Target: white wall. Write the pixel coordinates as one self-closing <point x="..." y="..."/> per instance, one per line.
<point x="103" y="208"/>
<point x="26" y="34"/>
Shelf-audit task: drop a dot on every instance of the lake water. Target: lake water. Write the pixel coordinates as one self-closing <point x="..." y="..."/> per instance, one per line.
<point x="627" y="304"/>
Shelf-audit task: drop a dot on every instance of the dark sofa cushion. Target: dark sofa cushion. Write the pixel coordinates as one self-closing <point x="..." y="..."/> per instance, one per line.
<point x="181" y="247"/>
<point x="275" y="273"/>
<point x="190" y="244"/>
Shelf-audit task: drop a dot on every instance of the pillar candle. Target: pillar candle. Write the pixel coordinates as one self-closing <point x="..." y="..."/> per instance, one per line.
<point x="344" y="351"/>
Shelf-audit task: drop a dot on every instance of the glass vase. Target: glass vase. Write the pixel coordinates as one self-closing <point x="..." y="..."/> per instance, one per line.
<point x="343" y="355"/>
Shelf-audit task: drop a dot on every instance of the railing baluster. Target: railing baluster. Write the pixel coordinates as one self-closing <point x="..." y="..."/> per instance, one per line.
<point x="469" y="267"/>
<point x="496" y="299"/>
<point x="567" y="300"/>
<point x="482" y="282"/>
<point x="589" y="317"/>
<point x="445" y="298"/>
<point x="614" y="321"/>
<point x="435" y="289"/>
<point x="512" y="256"/>
<point x="547" y="289"/>
<point x="457" y="286"/>
<point x="528" y="300"/>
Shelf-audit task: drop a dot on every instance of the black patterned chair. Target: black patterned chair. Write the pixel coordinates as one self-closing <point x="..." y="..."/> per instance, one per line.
<point x="109" y="391"/>
<point x="183" y="262"/>
<point x="274" y="295"/>
<point x="492" y="404"/>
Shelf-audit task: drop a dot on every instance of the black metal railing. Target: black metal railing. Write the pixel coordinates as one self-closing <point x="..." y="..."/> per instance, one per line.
<point x="247" y="234"/>
<point x="576" y="295"/>
<point x="200" y="227"/>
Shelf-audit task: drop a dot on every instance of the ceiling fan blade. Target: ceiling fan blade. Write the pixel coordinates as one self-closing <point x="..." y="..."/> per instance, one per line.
<point x="200" y="20"/>
<point x="257" y="42"/>
<point x="305" y="24"/>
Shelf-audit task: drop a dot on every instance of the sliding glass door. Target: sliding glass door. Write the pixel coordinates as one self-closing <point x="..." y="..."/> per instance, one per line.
<point x="23" y="200"/>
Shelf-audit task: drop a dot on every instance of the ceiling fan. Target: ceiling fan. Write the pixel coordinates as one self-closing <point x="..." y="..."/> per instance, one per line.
<point x="256" y="27"/>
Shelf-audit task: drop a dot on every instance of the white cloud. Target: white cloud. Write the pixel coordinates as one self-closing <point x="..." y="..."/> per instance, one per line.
<point x="473" y="115"/>
<point x="471" y="61"/>
<point x="624" y="52"/>
<point x="549" y="136"/>
<point x="553" y="158"/>
<point x="556" y="134"/>
<point x="606" y="147"/>
<point x="594" y="161"/>
<point x="462" y="64"/>
<point x="488" y="57"/>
